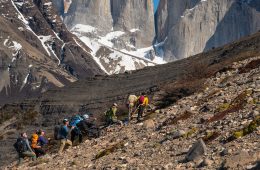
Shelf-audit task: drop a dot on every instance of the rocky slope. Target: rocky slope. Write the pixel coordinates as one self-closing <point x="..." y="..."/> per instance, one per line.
<point x="217" y="127"/>
<point x="165" y="85"/>
<point x="189" y="27"/>
<point x="37" y="51"/>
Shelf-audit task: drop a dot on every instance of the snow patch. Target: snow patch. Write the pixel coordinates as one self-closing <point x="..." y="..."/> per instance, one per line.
<point x="134" y="30"/>
<point x="106" y="40"/>
<point x="44" y="39"/>
<point x="83" y="28"/>
<point x="13" y="59"/>
<point x="16" y="47"/>
<point x="26" y="79"/>
<point x="47" y="3"/>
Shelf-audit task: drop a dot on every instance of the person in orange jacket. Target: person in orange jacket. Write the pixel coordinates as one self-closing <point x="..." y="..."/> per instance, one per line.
<point x="35" y="145"/>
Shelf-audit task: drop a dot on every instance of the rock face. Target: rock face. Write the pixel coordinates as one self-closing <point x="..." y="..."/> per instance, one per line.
<point x="96" y="13"/>
<point x="114" y="15"/>
<point x="194" y="26"/>
<point x="129" y="15"/>
<point x="115" y="30"/>
<point x="168" y="15"/>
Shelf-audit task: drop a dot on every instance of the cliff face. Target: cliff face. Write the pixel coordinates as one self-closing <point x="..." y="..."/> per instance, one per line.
<point x="129" y="15"/>
<point x="120" y="33"/>
<point x="112" y="15"/>
<point x="194" y="26"/>
<point x="96" y="13"/>
<point x="169" y="13"/>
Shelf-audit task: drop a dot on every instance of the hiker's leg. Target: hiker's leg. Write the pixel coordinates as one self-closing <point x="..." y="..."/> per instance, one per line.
<point x="141" y="110"/>
<point x="62" y="145"/>
<point x="68" y="142"/>
<point x="80" y="138"/>
<point x="73" y="136"/>
<point x="20" y="159"/>
<point x="139" y="113"/>
<point x="39" y="152"/>
<point x="30" y="155"/>
<point x="130" y="111"/>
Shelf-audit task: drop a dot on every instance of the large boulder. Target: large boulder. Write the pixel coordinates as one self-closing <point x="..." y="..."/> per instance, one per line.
<point x="197" y="150"/>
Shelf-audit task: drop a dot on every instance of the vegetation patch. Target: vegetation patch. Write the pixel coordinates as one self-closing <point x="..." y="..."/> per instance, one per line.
<point x="237" y="104"/>
<point x="246" y="130"/>
<point x="171" y="121"/>
<point x="211" y="136"/>
<point x="110" y="150"/>
<point x="190" y="132"/>
<point x="252" y="65"/>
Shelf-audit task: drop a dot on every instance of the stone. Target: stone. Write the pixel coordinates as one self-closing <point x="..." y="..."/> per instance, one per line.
<point x="197" y="150"/>
<point x="207" y="162"/>
<point x="149" y="124"/>
<point x="178" y="134"/>
<point x="240" y="159"/>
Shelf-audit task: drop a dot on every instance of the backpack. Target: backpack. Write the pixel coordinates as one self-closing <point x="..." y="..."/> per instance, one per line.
<point x="20" y="145"/>
<point x="34" y="140"/>
<point x="57" y="130"/>
<point x="141" y="100"/>
<point x="75" y="120"/>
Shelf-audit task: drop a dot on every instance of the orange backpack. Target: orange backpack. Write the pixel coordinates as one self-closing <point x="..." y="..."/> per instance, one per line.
<point x="34" y="140"/>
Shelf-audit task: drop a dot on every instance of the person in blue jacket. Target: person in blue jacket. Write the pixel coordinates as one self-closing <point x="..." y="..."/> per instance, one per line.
<point x="64" y="132"/>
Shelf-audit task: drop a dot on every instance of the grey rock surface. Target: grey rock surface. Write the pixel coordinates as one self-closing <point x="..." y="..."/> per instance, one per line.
<point x="197" y="150"/>
<point x="133" y="17"/>
<point x="192" y="27"/>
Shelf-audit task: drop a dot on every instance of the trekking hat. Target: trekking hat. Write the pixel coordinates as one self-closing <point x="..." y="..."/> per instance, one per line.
<point x="85" y="116"/>
<point x="115" y="104"/>
<point x="65" y="120"/>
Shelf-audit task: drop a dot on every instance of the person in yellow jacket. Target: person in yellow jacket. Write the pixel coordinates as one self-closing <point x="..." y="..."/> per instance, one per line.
<point x="143" y="102"/>
<point x="35" y="145"/>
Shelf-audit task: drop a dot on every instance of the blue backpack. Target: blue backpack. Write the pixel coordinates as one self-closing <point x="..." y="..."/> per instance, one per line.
<point x="75" y="120"/>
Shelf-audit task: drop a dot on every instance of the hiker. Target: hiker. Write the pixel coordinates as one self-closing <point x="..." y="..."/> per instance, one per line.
<point x="131" y="103"/>
<point x="88" y="126"/>
<point x="23" y="148"/>
<point x="35" y="145"/>
<point x="76" y="133"/>
<point x="111" y="117"/>
<point x="42" y="140"/>
<point x="63" y="136"/>
<point x="142" y="103"/>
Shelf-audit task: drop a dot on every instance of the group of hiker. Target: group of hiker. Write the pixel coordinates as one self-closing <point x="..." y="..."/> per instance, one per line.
<point x="34" y="147"/>
<point x="134" y="104"/>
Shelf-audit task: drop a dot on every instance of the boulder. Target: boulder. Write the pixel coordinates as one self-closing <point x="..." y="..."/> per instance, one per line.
<point x="149" y="124"/>
<point x="197" y="150"/>
<point x="240" y="159"/>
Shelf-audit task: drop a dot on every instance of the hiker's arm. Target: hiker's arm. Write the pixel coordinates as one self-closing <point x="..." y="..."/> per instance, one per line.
<point x="28" y="145"/>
